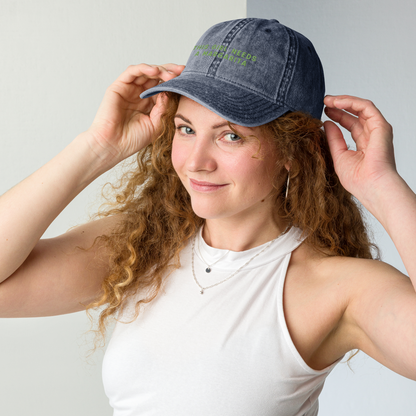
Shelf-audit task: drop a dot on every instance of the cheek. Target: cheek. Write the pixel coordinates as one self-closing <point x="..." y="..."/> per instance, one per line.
<point x="178" y="155"/>
<point x="258" y="176"/>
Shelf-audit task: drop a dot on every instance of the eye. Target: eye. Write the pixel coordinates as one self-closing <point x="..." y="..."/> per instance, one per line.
<point x="231" y="138"/>
<point x="185" y="130"/>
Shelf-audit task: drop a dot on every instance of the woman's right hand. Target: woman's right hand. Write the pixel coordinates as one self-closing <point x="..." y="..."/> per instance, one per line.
<point x="125" y="123"/>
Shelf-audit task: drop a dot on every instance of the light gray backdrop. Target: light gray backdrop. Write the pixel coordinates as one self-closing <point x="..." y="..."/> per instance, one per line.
<point x="367" y="49"/>
<point x="58" y="57"/>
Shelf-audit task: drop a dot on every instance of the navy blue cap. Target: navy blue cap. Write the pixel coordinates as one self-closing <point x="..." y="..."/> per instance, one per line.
<point x="251" y="71"/>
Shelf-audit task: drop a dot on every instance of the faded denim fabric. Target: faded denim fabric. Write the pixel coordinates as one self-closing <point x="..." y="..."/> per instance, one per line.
<point x="251" y="71"/>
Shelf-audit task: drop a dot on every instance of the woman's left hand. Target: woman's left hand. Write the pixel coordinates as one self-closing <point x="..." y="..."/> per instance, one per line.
<point x="362" y="169"/>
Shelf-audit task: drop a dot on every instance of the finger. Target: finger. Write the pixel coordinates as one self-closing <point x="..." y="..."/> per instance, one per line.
<point x="358" y="106"/>
<point x="162" y="75"/>
<point x="176" y="69"/>
<point x="329" y="101"/>
<point x="336" y="141"/>
<point x="369" y="115"/>
<point x="150" y="83"/>
<point x="158" y="109"/>
<point x="134" y="71"/>
<point x="139" y="74"/>
<point x="346" y="120"/>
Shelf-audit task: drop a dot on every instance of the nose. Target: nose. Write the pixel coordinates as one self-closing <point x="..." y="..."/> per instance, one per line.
<point x="202" y="155"/>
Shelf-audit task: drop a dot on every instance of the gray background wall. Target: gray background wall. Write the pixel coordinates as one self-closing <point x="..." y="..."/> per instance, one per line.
<point x="57" y="58"/>
<point x="367" y="49"/>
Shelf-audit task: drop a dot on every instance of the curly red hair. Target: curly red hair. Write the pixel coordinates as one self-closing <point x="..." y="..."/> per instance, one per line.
<point x="159" y="219"/>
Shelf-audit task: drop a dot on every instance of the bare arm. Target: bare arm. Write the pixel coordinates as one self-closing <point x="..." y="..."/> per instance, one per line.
<point x="382" y="307"/>
<point x="58" y="277"/>
<point x="28" y="209"/>
<point x="370" y="172"/>
<point x="381" y="313"/>
<point x="124" y="124"/>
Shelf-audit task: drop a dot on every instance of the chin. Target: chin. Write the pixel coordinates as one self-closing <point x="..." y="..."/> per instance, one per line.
<point x="206" y="214"/>
<point x="207" y="211"/>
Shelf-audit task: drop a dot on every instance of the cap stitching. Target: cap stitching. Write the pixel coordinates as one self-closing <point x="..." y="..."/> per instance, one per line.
<point x="288" y="72"/>
<point x="226" y="42"/>
<point x="230" y="81"/>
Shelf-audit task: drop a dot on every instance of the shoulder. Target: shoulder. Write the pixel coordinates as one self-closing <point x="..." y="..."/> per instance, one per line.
<point x="374" y="293"/>
<point x="380" y="315"/>
<point x="345" y="303"/>
<point x="359" y="282"/>
<point x="361" y="274"/>
<point x="349" y="271"/>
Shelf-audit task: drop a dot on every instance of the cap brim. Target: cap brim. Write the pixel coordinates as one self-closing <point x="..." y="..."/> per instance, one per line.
<point x="230" y="101"/>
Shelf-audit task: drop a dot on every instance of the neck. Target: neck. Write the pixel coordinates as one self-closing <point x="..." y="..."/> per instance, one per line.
<point x="231" y="234"/>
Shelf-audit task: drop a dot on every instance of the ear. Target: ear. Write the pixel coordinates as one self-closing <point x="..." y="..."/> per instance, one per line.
<point x="288" y="165"/>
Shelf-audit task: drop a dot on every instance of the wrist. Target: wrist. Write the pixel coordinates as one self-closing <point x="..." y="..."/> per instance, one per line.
<point x="387" y="197"/>
<point x="88" y="160"/>
<point x="99" y="158"/>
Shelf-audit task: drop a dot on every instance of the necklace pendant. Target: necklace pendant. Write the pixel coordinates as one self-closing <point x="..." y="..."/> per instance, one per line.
<point x="201" y="291"/>
<point x="208" y="269"/>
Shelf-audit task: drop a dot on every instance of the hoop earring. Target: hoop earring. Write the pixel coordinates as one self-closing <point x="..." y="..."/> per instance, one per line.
<point x="287" y="185"/>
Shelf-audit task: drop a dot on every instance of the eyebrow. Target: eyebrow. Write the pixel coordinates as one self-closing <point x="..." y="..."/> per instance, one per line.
<point x="216" y="126"/>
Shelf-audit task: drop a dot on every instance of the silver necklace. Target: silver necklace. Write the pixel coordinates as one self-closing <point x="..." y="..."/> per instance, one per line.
<point x="233" y="274"/>
<point x="209" y="266"/>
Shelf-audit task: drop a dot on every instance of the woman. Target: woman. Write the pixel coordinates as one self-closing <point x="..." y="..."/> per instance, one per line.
<point x="239" y="266"/>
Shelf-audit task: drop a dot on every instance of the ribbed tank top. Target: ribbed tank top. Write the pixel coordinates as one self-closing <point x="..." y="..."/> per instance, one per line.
<point x="226" y="352"/>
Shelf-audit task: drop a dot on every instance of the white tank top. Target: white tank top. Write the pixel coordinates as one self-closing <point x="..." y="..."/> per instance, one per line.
<point x="226" y="352"/>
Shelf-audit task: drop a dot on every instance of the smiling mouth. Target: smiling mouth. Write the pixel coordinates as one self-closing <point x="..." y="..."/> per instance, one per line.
<point x="203" y="186"/>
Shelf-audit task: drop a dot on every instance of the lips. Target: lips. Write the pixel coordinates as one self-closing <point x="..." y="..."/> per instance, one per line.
<point x="203" y="186"/>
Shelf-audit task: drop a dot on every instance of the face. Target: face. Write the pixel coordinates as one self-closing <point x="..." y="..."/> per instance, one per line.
<point x="217" y="167"/>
